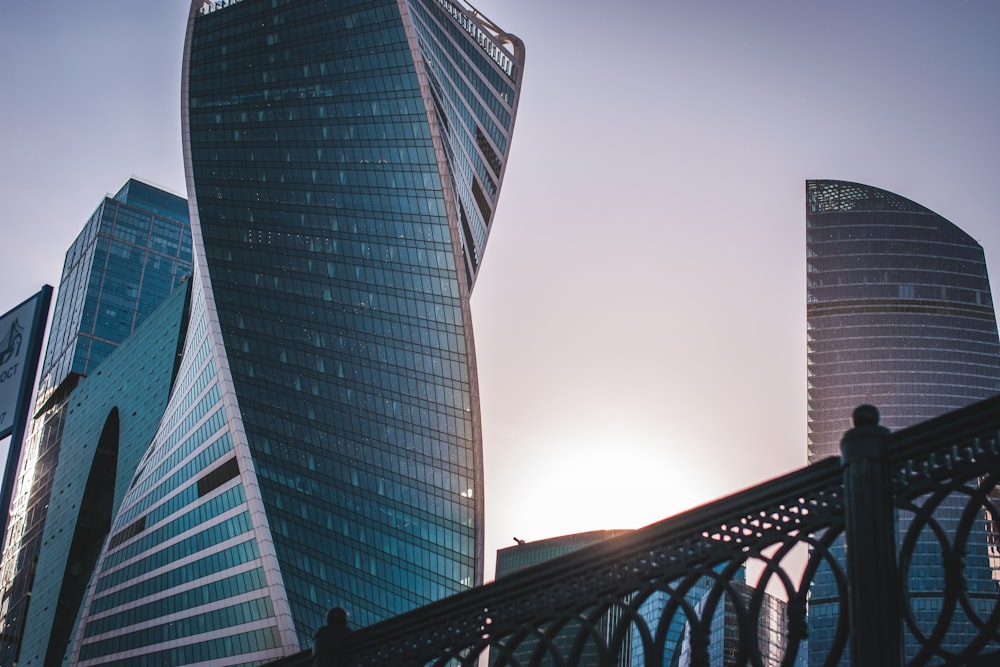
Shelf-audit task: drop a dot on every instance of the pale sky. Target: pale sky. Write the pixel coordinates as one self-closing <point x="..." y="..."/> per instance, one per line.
<point x="640" y="312"/>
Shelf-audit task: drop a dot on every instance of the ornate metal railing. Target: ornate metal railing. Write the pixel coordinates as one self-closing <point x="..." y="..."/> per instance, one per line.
<point x="673" y="593"/>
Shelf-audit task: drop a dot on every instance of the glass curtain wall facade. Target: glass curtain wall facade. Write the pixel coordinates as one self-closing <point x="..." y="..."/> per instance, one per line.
<point x="132" y="252"/>
<point x="766" y="646"/>
<point x="525" y="554"/>
<point x="900" y="316"/>
<point x="343" y="162"/>
<point x="112" y="418"/>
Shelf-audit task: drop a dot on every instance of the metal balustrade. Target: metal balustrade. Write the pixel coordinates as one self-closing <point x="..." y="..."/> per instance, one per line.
<point x="672" y="593"/>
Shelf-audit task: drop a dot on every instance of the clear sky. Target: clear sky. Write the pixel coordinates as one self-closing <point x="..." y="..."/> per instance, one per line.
<point x="640" y="313"/>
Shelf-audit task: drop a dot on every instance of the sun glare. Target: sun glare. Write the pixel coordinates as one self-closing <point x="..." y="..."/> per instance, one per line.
<point x="598" y="481"/>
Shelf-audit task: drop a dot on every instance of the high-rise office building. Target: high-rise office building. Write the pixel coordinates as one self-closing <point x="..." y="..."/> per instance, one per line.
<point x="322" y="444"/>
<point x="899" y="316"/>
<point x="525" y="554"/>
<point x="899" y="312"/>
<point x="748" y="627"/>
<point x="133" y="251"/>
<point x="112" y="416"/>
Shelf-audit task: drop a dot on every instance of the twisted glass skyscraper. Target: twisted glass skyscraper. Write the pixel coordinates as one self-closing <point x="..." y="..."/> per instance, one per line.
<point x="899" y="316"/>
<point x="322" y="444"/>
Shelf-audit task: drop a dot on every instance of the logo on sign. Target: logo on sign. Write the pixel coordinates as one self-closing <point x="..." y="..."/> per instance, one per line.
<point x="11" y="344"/>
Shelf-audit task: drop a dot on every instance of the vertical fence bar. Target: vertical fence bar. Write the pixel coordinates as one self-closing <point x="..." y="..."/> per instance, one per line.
<point x="872" y="580"/>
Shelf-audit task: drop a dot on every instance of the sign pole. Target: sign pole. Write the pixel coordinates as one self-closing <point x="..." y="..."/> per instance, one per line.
<point x="21" y="367"/>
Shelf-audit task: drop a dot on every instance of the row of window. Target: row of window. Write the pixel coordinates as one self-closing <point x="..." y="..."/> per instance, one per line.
<point x="837" y="369"/>
<point x="364" y="141"/>
<point x="329" y="404"/>
<point x="459" y="91"/>
<point x="179" y="431"/>
<point x="210" y="593"/>
<point x="213" y="452"/>
<point x="173" y="456"/>
<point x="431" y="351"/>
<point x="315" y="57"/>
<point x="203" y="567"/>
<point x="371" y="176"/>
<point x="227" y="25"/>
<point x="433" y="381"/>
<point x="946" y="259"/>
<point x="383" y="522"/>
<point x="390" y="339"/>
<point x="195" y="517"/>
<point x="295" y="231"/>
<point x="460" y="126"/>
<point x="930" y="282"/>
<point x="209" y="621"/>
<point x="469" y="59"/>
<point x="204" y="652"/>
<point x="847" y="331"/>
<point x="190" y="388"/>
<point x="498" y="54"/>
<point x="396" y="475"/>
<point x="141" y="227"/>
<point x="383" y="262"/>
<point x="352" y="589"/>
<point x="433" y="406"/>
<point x="455" y="513"/>
<point x="434" y="378"/>
<point x="394" y="562"/>
<point x="313" y="33"/>
<point x="366" y="440"/>
<point x="343" y="294"/>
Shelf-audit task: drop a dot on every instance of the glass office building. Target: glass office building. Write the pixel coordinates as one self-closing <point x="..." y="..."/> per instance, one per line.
<point x="322" y="444"/>
<point x="900" y="316"/>
<point x="899" y="312"/>
<point x="112" y="416"/>
<point x="131" y="254"/>
<point x="525" y="554"/>
<point x="748" y="627"/>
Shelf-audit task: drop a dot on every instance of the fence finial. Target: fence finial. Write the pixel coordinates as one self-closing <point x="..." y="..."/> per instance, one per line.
<point x="865" y="415"/>
<point x="330" y="641"/>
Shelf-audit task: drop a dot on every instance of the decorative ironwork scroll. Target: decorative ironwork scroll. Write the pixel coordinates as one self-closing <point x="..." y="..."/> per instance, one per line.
<point x="728" y="583"/>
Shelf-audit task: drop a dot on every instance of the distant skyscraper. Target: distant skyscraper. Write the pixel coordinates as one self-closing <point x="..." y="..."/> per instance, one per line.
<point x="131" y="253"/>
<point x="899" y="312"/>
<point x="733" y="610"/>
<point x="322" y="444"/>
<point x="525" y="554"/>
<point x="899" y="316"/>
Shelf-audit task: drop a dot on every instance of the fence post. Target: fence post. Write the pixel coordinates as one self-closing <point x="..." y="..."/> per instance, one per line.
<point x="330" y="642"/>
<point x="872" y="581"/>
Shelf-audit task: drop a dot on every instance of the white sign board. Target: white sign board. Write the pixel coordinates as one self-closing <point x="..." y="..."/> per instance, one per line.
<point x="15" y="336"/>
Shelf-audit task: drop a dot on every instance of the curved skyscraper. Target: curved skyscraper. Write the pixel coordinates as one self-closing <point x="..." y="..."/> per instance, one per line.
<point x="899" y="316"/>
<point x="322" y="445"/>
<point x="899" y="312"/>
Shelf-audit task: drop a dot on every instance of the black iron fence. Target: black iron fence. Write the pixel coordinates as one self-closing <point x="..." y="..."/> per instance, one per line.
<point x="902" y="530"/>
